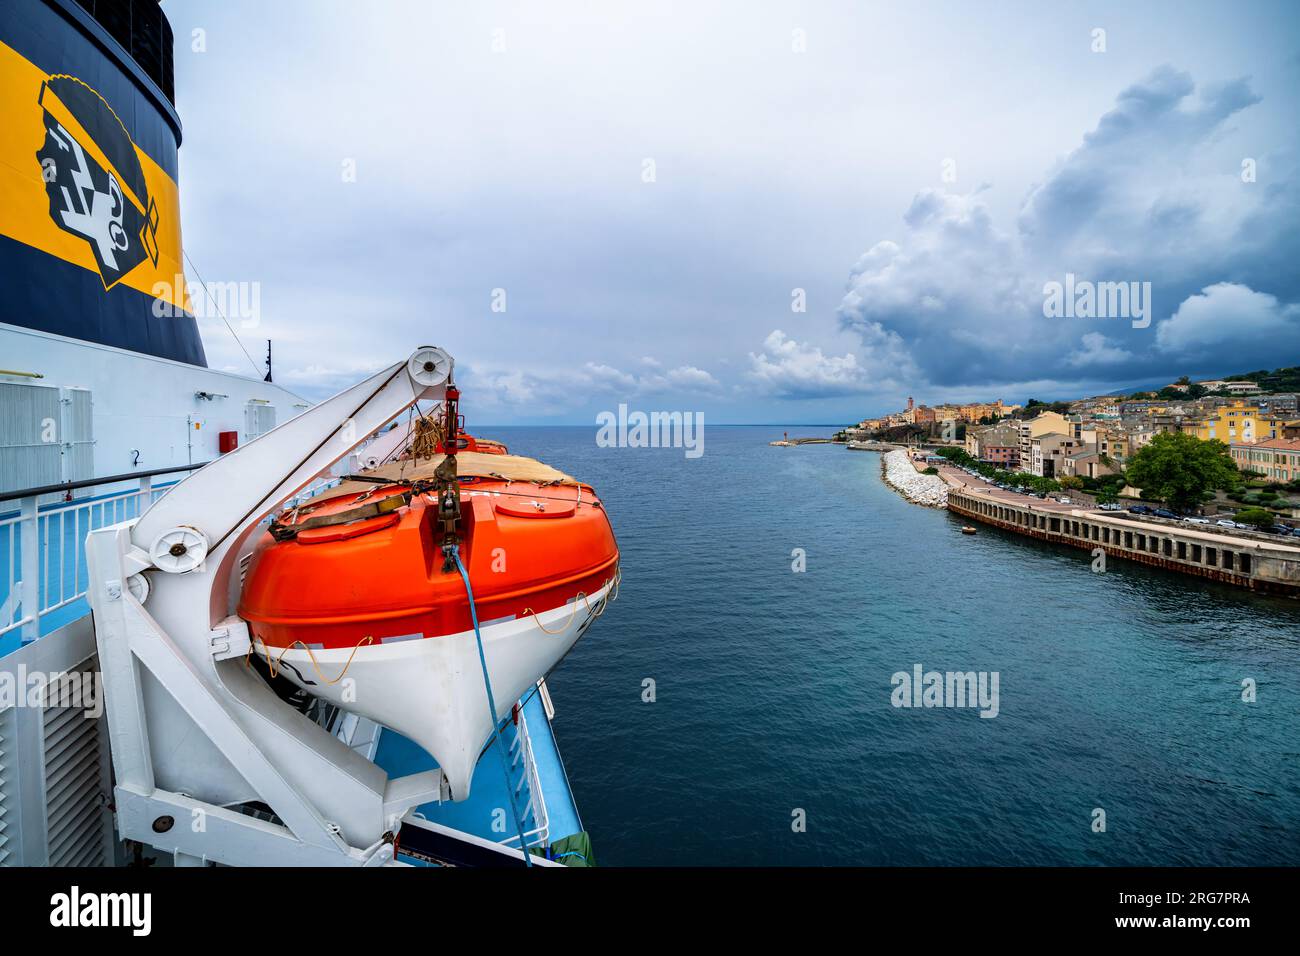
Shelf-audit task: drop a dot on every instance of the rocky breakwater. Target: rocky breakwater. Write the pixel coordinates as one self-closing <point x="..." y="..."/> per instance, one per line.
<point x="901" y="475"/>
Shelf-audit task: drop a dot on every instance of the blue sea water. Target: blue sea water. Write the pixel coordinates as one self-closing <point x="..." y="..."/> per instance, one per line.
<point x="1120" y="691"/>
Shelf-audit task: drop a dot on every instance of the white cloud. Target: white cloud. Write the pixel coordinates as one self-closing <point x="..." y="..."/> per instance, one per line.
<point x="1226" y="314"/>
<point x="1097" y="350"/>
<point x="794" y="369"/>
<point x="534" y="393"/>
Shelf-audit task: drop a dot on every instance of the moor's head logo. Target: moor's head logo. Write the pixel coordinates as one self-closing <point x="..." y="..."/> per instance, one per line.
<point x="94" y="180"/>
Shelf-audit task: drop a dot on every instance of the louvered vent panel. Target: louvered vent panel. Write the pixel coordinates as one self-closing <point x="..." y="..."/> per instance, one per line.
<point x="259" y="418"/>
<point x="29" y="439"/>
<point x="7" y="757"/>
<point x="74" y="788"/>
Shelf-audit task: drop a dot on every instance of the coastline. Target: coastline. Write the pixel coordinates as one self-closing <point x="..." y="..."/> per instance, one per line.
<point x="899" y="473"/>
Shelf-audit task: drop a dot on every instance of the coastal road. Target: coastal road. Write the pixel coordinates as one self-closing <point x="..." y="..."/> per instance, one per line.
<point x="957" y="478"/>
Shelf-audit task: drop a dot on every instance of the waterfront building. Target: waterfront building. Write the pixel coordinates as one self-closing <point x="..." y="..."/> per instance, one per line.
<point x="1088" y="463"/>
<point x="1035" y="427"/>
<point x="1046" y="453"/>
<point x="996" y="444"/>
<point x="1277" y="459"/>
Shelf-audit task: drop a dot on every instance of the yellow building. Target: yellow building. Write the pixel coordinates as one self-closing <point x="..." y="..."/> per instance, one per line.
<point x="1273" y="426"/>
<point x="974" y="411"/>
<point x="1234" y="422"/>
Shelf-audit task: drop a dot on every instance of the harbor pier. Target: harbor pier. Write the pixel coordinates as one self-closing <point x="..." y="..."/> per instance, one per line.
<point x="1262" y="565"/>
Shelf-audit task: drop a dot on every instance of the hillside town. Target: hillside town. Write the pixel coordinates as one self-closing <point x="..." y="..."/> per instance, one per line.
<point x="1201" y="478"/>
<point x="1092" y="438"/>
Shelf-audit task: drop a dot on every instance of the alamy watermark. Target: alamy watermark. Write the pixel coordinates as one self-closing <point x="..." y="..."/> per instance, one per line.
<point x="83" y="690"/>
<point x="922" y="688"/>
<point x="1085" y="299"/>
<point x="75" y="908"/>
<point x="651" y="430"/>
<point x="210" y="300"/>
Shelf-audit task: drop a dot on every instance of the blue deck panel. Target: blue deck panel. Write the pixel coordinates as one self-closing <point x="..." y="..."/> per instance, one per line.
<point x="560" y="806"/>
<point x="479" y="812"/>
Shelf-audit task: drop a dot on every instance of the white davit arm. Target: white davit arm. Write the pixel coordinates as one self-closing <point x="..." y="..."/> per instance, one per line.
<point x="205" y="518"/>
<point x="191" y="727"/>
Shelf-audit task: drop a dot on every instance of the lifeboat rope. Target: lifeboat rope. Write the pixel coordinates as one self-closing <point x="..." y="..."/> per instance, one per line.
<point x="274" y="666"/>
<point x="492" y="706"/>
<point x="602" y="605"/>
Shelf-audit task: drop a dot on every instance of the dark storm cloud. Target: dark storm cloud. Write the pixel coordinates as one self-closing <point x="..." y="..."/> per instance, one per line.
<point x="1154" y="194"/>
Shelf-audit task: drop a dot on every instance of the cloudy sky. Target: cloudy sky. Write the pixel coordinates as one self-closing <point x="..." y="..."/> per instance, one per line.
<point x="768" y="212"/>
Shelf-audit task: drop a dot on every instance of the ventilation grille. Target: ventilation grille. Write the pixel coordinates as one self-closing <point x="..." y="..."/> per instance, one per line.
<point x="29" y="436"/>
<point x="7" y="756"/>
<point x="74" y="782"/>
<point x="259" y="418"/>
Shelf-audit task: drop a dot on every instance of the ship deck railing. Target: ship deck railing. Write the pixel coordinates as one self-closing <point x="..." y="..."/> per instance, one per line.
<point x="528" y="789"/>
<point x="43" y="576"/>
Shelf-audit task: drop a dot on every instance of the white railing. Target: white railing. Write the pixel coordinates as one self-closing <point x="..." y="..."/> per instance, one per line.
<point x="522" y="750"/>
<point x="42" y="549"/>
<point x="42" y="543"/>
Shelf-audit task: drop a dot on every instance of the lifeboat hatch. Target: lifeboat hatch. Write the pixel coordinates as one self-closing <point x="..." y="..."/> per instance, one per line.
<point x="537" y="508"/>
<point x="343" y="532"/>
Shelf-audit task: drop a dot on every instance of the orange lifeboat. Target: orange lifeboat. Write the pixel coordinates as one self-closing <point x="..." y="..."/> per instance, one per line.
<point x="352" y="596"/>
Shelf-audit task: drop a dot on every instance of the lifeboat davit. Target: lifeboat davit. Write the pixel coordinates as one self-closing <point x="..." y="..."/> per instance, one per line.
<point x="349" y="596"/>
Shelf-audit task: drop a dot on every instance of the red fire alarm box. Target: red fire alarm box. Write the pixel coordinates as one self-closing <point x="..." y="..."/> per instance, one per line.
<point x="227" y="441"/>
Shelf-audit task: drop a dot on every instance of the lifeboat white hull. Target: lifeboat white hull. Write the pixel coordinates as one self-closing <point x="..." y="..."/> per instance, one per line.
<point x="430" y="689"/>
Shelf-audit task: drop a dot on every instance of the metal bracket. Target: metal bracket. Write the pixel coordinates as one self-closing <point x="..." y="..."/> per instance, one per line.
<point x="230" y="639"/>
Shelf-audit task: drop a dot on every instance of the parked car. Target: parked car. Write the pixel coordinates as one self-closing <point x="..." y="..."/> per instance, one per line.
<point x="1111" y="506"/>
<point x="1225" y="523"/>
<point x="1140" y="510"/>
<point x="1064" y="501"/>
<point x="1283" y="529"/>
<point x="1163" y="513"/>
<point x="1193" y="520"/>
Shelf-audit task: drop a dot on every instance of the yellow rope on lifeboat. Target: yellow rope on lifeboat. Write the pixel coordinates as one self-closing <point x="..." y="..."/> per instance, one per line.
<point x="274" y="666"/>
<point x="603" y="605"/>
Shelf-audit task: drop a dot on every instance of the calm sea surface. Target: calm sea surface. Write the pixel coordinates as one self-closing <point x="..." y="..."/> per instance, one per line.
<point x="1119" y="691"/>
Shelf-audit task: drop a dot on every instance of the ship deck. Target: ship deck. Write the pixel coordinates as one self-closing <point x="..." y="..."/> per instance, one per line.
<point x="543" y="796"/>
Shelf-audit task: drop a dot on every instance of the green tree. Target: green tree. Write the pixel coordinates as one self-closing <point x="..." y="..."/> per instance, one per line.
<point x="1071" y="481"/>
<point x="1182" y="470"/>
<point x="1259" y="517"/>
